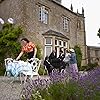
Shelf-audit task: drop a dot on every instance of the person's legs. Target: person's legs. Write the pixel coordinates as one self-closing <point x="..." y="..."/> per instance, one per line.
<point x="73" y="71"/>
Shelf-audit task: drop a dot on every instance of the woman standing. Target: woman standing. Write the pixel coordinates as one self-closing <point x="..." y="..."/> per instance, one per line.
<point x="27" y="47"/>
<point x="73" y="64"/>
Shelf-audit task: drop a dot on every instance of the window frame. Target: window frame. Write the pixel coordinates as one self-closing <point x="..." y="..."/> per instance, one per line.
<point x="65" y="22"/>
<point x="61" y="43"/>
<point x="46" y="43"/>
<point x="43" y="14"/>
<point x="46" y="51"/>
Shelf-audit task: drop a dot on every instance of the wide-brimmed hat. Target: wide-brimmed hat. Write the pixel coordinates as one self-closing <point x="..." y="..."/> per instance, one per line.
<point x="72" y="50"/>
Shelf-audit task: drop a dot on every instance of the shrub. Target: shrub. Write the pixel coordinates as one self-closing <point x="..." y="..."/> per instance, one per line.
<point x="42" y="70"/>
<point x="39" y="54"/>
<point x="85" y="88"/>
<point x="91" y="84"/>
<point x="78" y="56"/>
<point x="9" y="46"/>
<point x="84" y="68"/>
<point x="92" y="66"/>
<point x="89" y="66"/>
<point x="65" y="91"/>
<point x="2" y="71"/>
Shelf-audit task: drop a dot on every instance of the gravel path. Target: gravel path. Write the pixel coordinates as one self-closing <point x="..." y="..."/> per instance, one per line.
<point x="10" y="90"/>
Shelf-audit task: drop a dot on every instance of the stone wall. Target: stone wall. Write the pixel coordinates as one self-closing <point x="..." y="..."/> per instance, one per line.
<point x="93" y="52"/>
<point x="25" y="12"/>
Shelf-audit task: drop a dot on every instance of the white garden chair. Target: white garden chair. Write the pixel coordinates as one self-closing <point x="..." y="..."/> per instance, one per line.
<point x="19" y="68"/>
<point x="10" y="64"/>
<point x="35" y="65"/>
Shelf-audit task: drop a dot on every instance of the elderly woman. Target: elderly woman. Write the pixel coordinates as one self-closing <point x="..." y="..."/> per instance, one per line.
<point x="73" y="64"/>
<point x="27" y="47"/>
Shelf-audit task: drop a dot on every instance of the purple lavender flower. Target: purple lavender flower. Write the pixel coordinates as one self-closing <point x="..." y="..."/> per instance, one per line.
<point x="90" y="82"/>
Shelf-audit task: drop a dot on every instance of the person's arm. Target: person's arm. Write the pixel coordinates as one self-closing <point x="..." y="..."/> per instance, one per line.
<point x="21" y="53"/>
<point x="35" y="51"/>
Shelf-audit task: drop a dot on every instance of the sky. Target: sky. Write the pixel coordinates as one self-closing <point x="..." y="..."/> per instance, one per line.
<point x="92" y="18"/>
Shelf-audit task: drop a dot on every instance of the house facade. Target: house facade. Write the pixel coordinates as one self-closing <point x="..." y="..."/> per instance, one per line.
<point x="47" y="23"/>
<point x="93" y="53"/>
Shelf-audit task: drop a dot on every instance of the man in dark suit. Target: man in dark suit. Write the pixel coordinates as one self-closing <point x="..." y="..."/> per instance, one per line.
<point x="48" y="65"/>
<point x="52" y="57"/>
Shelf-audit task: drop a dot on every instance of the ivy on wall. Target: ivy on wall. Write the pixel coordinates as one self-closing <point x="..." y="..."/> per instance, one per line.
<point x="78" y="56"/>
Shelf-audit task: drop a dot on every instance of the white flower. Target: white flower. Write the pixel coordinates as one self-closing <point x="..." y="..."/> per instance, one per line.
<point x="1" y="21"/>
<point x="11" y="20"/>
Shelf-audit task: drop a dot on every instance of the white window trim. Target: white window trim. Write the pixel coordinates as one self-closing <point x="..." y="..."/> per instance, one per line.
<point x="45" y="49"/>
<point x="44" y="14"/>
<point x="66" y="45"/>
<point x="65" y="23"/>
<point x="61" y="43"/>
<point x="57" y="50"/>
<point x="57" y="42"/>
<point x="45" y="40"/>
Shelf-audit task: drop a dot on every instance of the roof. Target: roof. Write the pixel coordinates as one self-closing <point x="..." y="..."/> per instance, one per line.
<point x="77" y="14"/>
<point x="93" y="47"/>
<point x="54" y="33"/>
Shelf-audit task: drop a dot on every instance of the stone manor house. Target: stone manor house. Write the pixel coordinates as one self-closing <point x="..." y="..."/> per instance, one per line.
<point x="47" y="23"/>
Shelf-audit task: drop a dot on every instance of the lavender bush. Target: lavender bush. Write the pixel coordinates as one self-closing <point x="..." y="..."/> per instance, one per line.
<point x="62" y="86"/>
<point x="91" y="84"/>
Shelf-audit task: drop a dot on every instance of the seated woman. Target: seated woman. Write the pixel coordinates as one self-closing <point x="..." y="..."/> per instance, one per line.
<point x="56" y="62"/>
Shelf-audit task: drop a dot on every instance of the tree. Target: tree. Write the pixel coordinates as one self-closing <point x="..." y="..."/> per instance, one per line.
<point x="9" y="45"/>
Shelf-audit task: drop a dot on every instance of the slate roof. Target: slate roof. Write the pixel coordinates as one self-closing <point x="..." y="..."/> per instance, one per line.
<point x="54" y="33"/>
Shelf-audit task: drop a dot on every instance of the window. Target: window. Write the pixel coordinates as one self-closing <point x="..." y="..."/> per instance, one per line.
<point x="48" y="50"/>
<point x="60" y="43"/>
<point x="56" y="42"/>
<point x="96" y="53"/>
<point x="65" y="24"/>
<point x="79" y="24"/>
<point x="64" y="44"/>
<point x="43" y="14"/>
<point x="48" y="41"/>
<point x="48" y="46"/>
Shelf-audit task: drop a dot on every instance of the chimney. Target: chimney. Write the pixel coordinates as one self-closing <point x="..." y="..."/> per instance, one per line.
<point x="82" y="10"/>
<point x="71" y="7"/>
